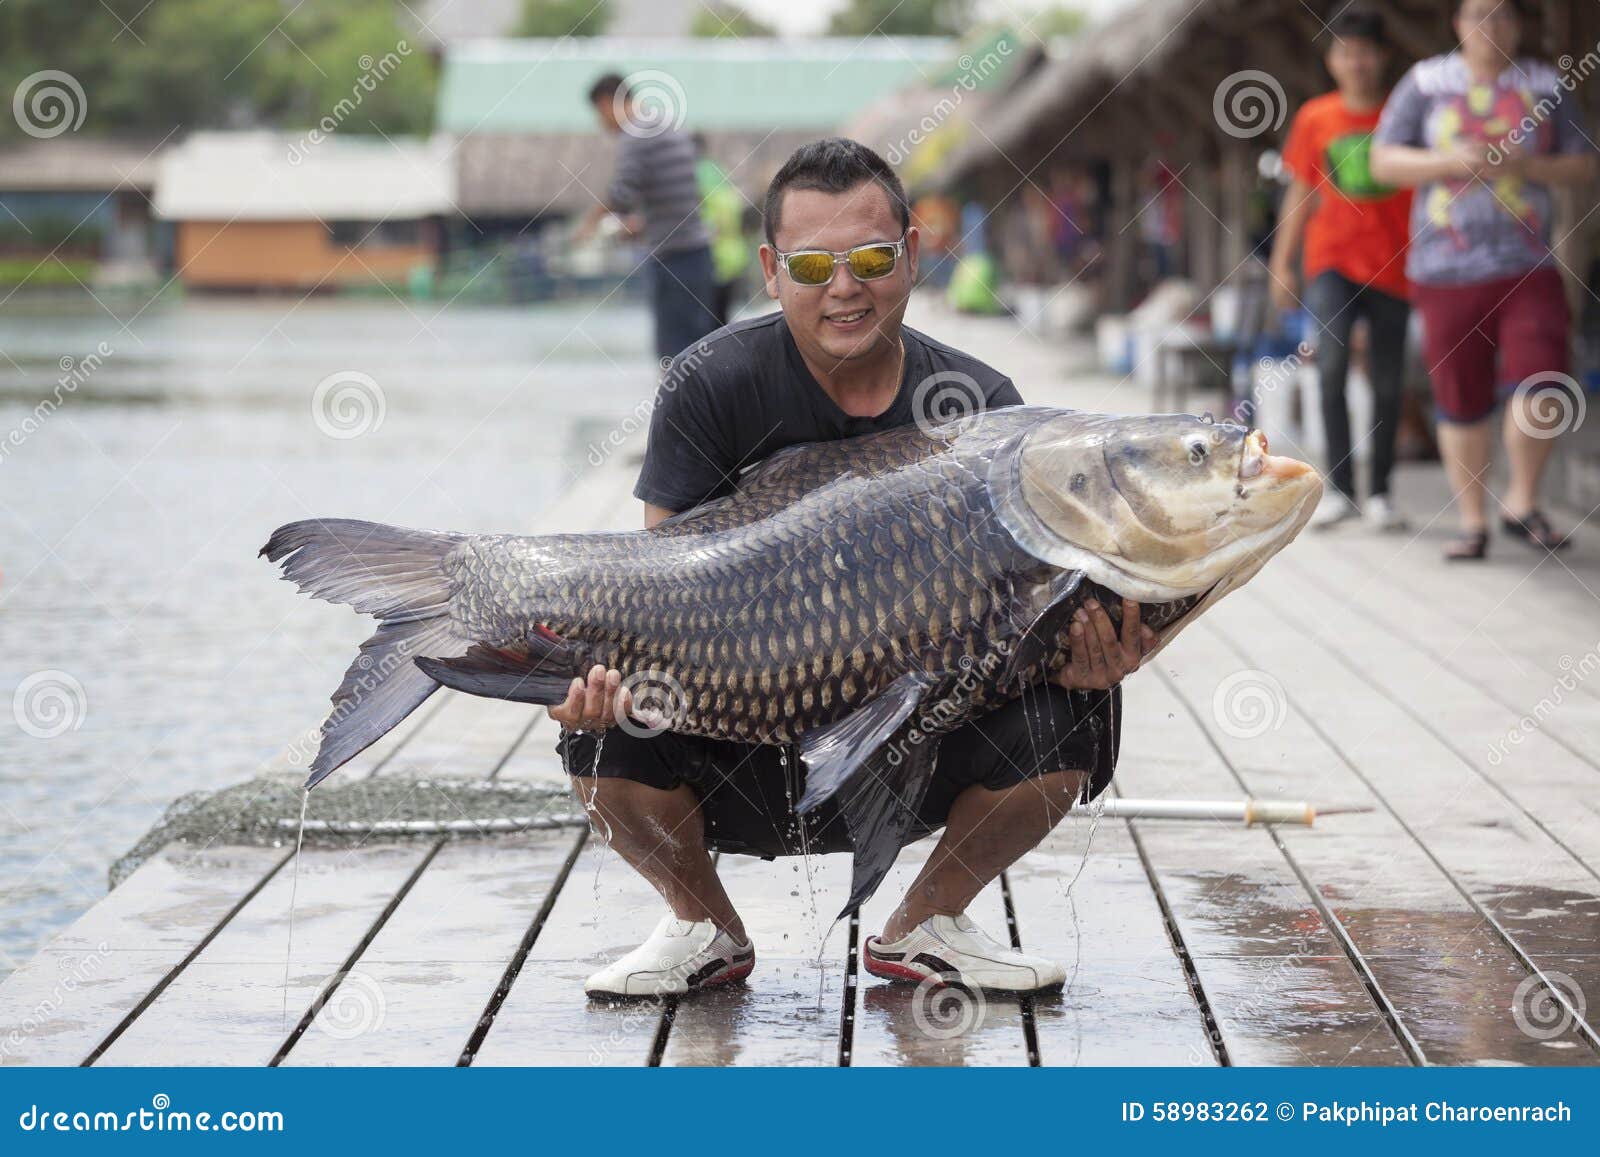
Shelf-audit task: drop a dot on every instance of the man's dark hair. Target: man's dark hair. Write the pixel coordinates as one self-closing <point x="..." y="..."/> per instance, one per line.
<point x="607" y="87"/>
<point x="1359" y="24"/>
<point x="833" y="165"/>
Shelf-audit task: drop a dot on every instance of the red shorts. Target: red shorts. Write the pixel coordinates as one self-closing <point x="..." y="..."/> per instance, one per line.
<point x="1524" y="319"/>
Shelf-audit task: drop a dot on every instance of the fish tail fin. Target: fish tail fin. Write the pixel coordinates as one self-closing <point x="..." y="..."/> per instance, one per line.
<point x="396" y="575"/>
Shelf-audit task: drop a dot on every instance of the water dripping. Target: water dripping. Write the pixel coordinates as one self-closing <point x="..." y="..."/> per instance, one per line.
<point x="294" y="888"/>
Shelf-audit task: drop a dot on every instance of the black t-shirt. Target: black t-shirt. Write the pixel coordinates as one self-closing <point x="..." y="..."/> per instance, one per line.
<point x="744" y="393"/>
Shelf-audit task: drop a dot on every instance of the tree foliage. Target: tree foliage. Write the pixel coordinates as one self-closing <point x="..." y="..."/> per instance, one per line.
<point x="715" y="19"/>
<point x="903" y="18"/>
<point x="564" y="17"/>
<point x="188" y="64"/>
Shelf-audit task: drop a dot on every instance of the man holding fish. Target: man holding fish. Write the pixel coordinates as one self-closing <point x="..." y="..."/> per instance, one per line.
<point x="836" y="362"/>
<point x="898" y="620"/>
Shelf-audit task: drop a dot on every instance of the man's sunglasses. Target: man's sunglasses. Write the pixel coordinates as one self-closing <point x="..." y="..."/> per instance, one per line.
<point x="867" y="262"/>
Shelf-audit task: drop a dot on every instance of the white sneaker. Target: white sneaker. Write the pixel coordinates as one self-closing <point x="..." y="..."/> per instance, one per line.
<point x="679" y="955"/>
<point x="1332" y="510"/>
<point x="1381" y="515"/>
<point x="956" y="949"/>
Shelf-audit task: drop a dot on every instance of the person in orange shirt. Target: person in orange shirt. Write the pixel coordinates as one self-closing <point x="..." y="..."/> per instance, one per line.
<point x="1353" y="233"/>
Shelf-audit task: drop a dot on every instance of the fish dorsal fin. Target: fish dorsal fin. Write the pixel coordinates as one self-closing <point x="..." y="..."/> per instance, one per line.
<point x="834" y="753"/>
<point x="537" y="670"/>
<point x="1045" y="623"/>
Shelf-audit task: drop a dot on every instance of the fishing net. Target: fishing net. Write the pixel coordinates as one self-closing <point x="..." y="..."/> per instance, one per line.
<point x="266" y="811"/>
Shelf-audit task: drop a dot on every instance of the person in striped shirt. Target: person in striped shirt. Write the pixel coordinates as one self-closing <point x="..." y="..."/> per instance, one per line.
<point x="656" y="194"/>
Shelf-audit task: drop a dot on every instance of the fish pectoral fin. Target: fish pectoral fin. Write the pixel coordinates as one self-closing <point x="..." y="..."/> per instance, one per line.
<point x="1035" y="639"/>
<point x="834" y="752"/>
<point x="539" y="671"/>
<point x="879" y="809"/>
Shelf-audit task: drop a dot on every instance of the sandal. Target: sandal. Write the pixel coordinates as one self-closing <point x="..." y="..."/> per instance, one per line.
<point x="1536" y="530"/>
<point x="1468" y="546"/>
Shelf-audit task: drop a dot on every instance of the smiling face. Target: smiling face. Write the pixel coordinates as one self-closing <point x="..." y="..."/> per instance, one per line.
<point x="846" y="319"/>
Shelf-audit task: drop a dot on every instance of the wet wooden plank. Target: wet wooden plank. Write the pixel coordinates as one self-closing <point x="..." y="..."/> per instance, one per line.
<point x="1276" y="980"/>
<point x="604" y="910"/>
<point x="225" y="1007"/>
<point x="57" y="1007"/>
<point x="433" y="966"/>
<point x="467" y="737"/>
<point x="1083" y="898"/>
<point x="1424" y="944"/>
<point x="1510" y="745"/>
<point x="788" y="1011"/>
<point x="904" y="1024"/>
<point x="1519" y="877"/>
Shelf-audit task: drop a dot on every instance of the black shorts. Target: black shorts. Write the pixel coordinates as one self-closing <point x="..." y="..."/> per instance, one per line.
<point x="747" y="791"/>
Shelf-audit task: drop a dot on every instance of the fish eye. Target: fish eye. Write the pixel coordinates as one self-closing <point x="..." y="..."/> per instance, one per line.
<point x="1197" y="451"/>
<point x="1079" y="481"/>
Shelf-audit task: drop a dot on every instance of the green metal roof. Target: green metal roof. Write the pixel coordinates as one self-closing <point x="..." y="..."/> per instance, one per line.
<point x="540" y="86"/>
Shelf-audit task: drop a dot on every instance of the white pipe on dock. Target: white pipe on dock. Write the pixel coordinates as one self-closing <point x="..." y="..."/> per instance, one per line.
<point x="1245" y="811"/>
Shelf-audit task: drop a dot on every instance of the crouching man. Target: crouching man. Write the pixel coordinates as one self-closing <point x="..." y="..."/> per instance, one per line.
<point x="840" y="258"/>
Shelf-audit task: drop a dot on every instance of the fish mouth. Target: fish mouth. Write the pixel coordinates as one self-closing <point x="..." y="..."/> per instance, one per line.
<point x="1256" y="462"/>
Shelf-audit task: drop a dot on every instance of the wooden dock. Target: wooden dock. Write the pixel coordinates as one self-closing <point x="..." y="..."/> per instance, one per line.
<point x="1456" y="920"/>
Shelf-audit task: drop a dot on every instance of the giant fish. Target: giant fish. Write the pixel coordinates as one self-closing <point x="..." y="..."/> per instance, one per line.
<point x="847" y="596"/>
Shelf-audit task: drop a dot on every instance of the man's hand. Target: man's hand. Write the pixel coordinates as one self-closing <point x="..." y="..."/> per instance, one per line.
<point x="1100" y="659"/>
<point x="593" y="704"/>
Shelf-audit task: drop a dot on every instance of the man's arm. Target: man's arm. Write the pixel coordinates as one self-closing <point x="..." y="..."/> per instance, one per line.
<point x="1298" y="203"/>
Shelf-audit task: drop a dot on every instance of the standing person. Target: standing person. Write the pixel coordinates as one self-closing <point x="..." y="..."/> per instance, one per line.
<point x="655" y="179"/>
<point x="1353" y="233"/>
<point x="722" y="209"/>
<point x="1483" y="134"/>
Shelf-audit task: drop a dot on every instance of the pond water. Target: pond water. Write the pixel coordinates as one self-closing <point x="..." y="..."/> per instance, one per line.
<point x="145" y="651"/>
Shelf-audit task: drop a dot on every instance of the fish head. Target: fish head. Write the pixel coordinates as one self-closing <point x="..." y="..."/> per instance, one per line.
<point x="1158" y="507"/>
